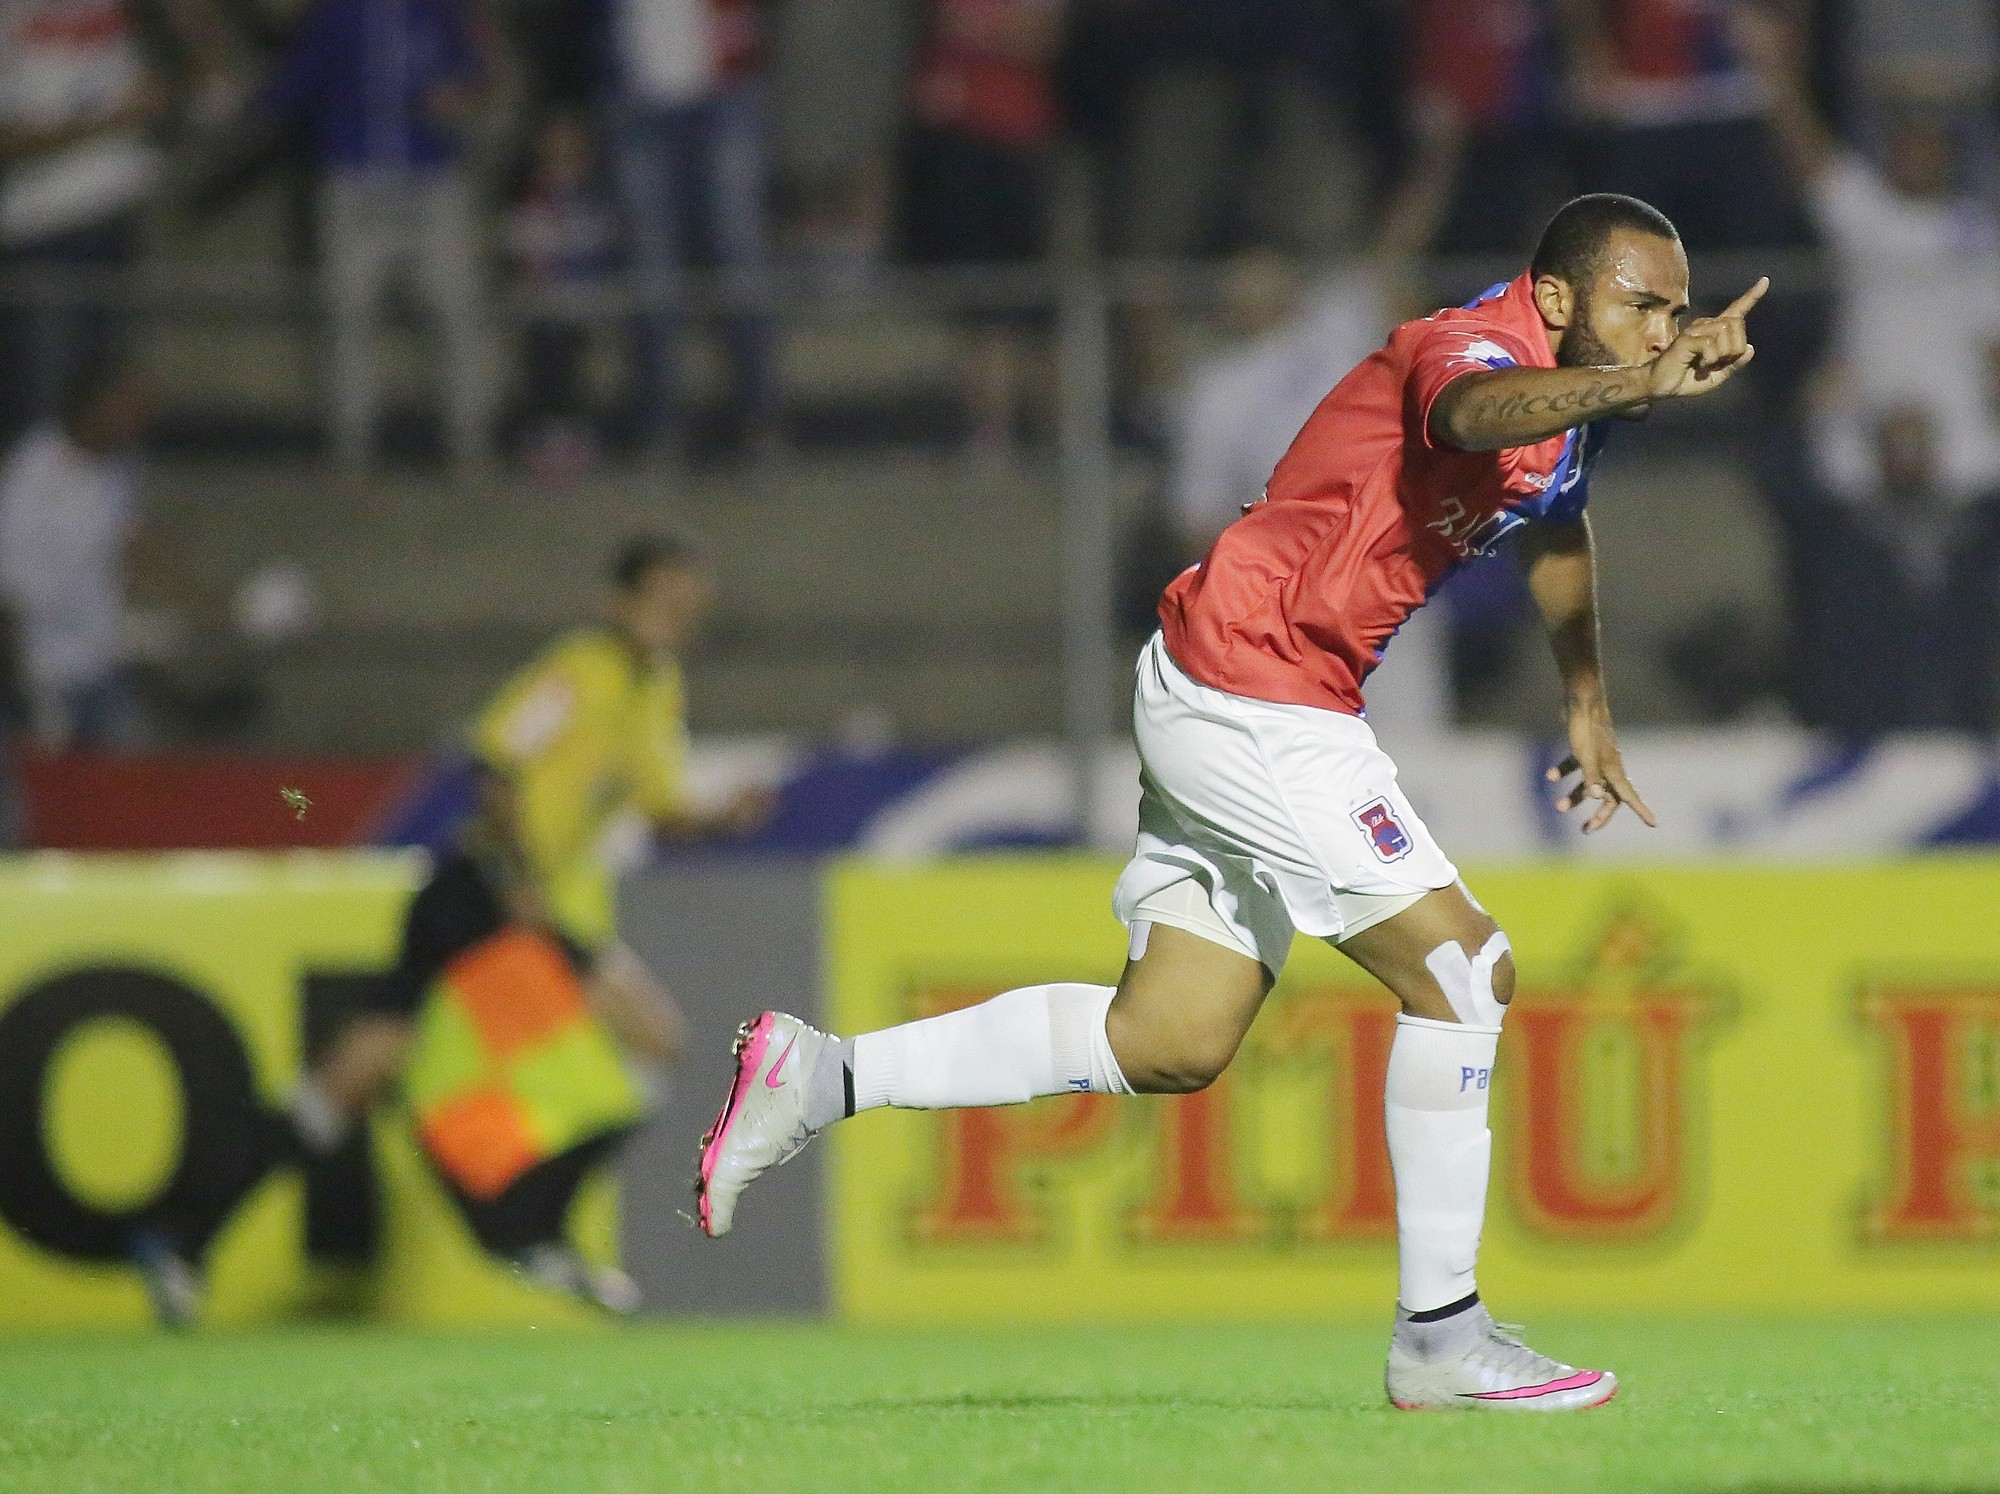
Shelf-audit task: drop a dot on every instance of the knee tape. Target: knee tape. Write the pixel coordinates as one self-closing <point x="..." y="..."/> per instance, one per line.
<point x="1467" y="981"/>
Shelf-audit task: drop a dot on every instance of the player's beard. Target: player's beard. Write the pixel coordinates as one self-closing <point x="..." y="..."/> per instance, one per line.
<point x="1581" y="346"/>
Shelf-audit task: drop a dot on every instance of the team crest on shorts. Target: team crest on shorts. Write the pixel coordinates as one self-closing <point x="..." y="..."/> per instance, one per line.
<point x="1385" y="832"/>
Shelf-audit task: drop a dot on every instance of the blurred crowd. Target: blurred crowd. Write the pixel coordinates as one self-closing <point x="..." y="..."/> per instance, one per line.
<point x="543" y="180"/>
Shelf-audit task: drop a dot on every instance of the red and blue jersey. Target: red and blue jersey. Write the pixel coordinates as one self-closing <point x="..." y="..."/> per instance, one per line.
<point x="1365" y="516"/>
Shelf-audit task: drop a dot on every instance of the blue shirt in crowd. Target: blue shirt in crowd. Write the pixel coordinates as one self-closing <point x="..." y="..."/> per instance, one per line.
<point x="362" y="74"/>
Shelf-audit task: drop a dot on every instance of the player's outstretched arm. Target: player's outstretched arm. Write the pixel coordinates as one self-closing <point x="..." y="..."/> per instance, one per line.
<point x="1561" y="562"/>
<point x="1519" y="406"/>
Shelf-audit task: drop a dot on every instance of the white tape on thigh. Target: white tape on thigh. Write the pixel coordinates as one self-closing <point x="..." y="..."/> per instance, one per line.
<point x="1467" y="982"/>
<point x="1185" y="905"/>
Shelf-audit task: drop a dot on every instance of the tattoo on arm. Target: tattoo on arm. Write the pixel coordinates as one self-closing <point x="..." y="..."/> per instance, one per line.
<point x="1515" y="407"/>
<point x="1580" y="401"/>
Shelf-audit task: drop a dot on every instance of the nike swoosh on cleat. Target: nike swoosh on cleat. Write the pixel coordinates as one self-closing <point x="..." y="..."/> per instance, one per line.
<point x="1576" y="1381"/>
<point x="771" y="1080"/>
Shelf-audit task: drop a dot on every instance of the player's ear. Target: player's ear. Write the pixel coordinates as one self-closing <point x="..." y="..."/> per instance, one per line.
<point x="1556" y="301"/>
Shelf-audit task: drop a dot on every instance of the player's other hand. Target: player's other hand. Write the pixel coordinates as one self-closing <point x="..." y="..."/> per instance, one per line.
<point x="1594" y="762"/>
<point x="1709" y="352"/>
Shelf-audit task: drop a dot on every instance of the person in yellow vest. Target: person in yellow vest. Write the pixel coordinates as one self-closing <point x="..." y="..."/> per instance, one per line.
<point x="514" y="1016"/>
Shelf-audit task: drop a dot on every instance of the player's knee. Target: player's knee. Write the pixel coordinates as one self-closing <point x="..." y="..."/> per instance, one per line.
<point x="1180" y="1076"/>
<point x="1179" y="1066"/>
<point x="1470" y="978"/>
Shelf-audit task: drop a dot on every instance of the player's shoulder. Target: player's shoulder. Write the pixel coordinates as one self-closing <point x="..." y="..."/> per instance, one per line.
<point x="1493" y="329"/>
<point x="579" y="666"/>
<point x="589" y="653"/>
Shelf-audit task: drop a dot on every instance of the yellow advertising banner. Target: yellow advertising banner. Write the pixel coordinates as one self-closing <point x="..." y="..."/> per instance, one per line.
<point x="145" y="1004"/>
<point x="1719" y="1089"/>
<point x="148" y="1004"/>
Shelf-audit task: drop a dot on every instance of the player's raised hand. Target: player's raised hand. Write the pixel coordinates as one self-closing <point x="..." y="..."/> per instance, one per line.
<point x="1600" y="771"/>
<point x="1709" y="352"/>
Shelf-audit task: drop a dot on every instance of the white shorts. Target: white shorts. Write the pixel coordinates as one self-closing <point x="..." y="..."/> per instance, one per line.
<point x="1257" y="820"/>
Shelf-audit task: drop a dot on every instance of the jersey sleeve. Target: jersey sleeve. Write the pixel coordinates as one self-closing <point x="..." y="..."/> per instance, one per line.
<point x="1568" y="492"/>
<point x="1451" y="352"/>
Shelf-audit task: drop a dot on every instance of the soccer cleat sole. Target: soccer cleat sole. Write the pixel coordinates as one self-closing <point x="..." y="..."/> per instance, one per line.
<point x="748" y="1050"/>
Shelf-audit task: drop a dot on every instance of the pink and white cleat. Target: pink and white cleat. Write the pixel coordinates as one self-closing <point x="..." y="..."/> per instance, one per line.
<point x="763" y="1121"/>
<point x="1469" y="1362"/>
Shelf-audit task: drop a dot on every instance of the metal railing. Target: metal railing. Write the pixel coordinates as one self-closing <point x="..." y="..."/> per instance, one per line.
<point x="1082" y="305"/>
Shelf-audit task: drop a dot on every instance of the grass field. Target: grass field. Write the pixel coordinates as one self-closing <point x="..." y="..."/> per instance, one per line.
<point x="1779" y="1406"/>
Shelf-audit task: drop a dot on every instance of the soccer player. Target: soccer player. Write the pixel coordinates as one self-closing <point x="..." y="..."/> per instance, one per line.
<point x="1267" y="808"/>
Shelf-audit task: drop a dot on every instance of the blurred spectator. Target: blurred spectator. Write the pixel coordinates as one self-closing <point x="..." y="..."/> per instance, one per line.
<point x="1230" y="134"/>
<point x="1673" y="114"/>
<point x="842" y="68"/>
<point x="1245" y="403"/>
<point x="1940" y="50"/>
<point x="69" y="508"/>
<point x="561" y="242"/>
<point x="1917" y="260"/>
<point x="1244" y="406"/>
<point x="688" y="127"/>
<point x="1492" y="69"/>
<point x="77" y="102"/>
<point x="978" y="166"/>
<point x="385" y="89"/>
<point x="1895" y="593"/>
<point x="1221" y="95"/>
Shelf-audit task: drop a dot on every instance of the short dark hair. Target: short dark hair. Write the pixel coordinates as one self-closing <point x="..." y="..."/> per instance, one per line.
<point x="638" y="557"/>
<point x="1572" y="246"/>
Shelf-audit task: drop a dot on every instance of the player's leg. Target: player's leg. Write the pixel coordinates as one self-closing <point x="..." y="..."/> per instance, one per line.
<point x="314" y="1120"/>
<point x="1450" y="966"/>
<point x="526" y="1224"/>
<point x="1171" y="1024"/>
<point x="1208" y="938"/>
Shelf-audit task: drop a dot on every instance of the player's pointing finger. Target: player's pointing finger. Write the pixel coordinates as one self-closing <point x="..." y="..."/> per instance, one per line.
<point x="1740" y="307"/>
<point x="1622" y="786"/>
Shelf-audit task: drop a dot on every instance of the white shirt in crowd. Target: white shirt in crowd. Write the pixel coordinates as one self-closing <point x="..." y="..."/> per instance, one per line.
<point x="672" y="51"/>
<point x="64" y="62"/>
<point x="1919" y="285"/>
<point x="65" y="518"/>
<point x="1243" y="406"/>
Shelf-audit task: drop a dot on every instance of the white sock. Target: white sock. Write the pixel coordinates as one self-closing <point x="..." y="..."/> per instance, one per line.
<point x="321" y="1124"/>
<point x="1039" y="1040"/>
<point x="1434" y="1104"/>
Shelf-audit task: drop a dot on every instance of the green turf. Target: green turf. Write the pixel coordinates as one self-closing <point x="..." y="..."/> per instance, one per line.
<point x="1706" y="1406"/>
